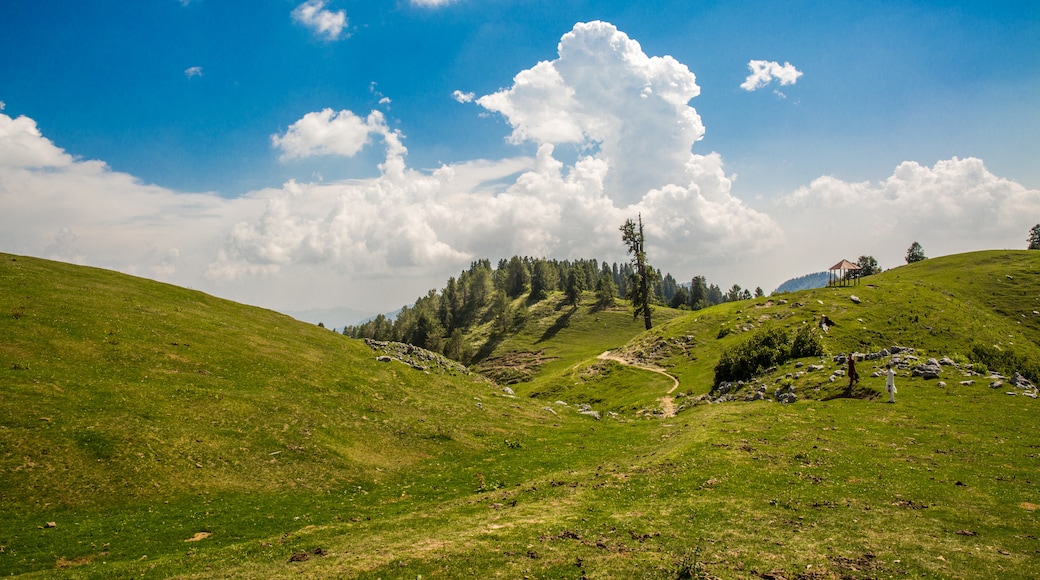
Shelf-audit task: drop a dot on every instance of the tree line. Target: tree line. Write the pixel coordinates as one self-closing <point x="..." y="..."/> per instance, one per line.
<point x="486" y="293"/>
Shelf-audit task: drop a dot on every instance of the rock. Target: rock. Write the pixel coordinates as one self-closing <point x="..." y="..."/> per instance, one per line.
<point x="815" y="367"/>
<point x="929" y="370"/>
<point x="550" y="409"/>
<point x="967" y="383"/>
<point x="384" y="358"/>
<point x="786" y="398"/>
<point x="947" y="362"/>
<point x="1030" y="394"/>
<point x="996" y="384"/>
<point x="940" y="384"/>
<point x="508" y="391"/>
<point x="1021" y="382"/>
<point x="855" y="299"/>
<point x="586" y="409"/>
<point x="50" y="525"/>
<point x="1012" y="393"/>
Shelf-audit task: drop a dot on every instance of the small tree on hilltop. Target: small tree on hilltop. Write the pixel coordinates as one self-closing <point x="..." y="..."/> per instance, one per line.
<point x="1034" y="238"/>
<point x="868" y="266"/>
<point x="915" y="253"/>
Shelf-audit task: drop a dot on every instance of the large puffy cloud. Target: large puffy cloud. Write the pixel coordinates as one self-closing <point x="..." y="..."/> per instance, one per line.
<point x="63" y="208"/>
<point x="956" y="205"/>
<point x="627" y="111"/>
<point x="327" y="132"/>
<point x="603" y="92"/>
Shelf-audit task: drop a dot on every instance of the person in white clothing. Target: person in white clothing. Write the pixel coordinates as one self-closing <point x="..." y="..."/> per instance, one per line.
<point x="890" y="384"/>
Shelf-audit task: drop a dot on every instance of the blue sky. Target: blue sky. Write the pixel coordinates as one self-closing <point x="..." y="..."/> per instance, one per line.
<point x="444" y="140"/>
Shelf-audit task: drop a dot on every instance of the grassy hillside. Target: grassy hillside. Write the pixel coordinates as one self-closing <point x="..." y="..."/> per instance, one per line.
<point x="164" y="432"/>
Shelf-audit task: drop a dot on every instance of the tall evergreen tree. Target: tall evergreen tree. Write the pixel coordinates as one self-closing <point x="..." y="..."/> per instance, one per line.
<point x="606" y="291"/>
<point x="643" y="276"/>
<point x="698" y="293"/>
<point x="575" y="285"/>
<point x="517" y="277"/>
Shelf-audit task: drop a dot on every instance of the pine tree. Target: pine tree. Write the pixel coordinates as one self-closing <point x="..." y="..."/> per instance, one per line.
<point x="641" y="290"/>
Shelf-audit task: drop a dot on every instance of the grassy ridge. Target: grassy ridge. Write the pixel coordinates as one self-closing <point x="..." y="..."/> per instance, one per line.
<point x="137" y="416"/>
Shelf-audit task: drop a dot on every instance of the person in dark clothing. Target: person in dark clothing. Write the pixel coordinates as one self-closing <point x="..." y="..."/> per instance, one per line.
<point x="853" y="375"/>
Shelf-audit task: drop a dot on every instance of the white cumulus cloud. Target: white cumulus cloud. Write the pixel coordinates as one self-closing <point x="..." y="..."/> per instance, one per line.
<point x="764" y="72"/>
<point x="431" y="3"/>
<point x="325" y="23"/>
<point x="957" y="205"/>
<point x="194" y="71"/>
<point x="327" y="132"/>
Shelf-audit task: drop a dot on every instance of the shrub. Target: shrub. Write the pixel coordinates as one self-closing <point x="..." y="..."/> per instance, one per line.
<point x="763" y="349"/>
<point x="807" y="342"/>
<point x="1006" y="362"/>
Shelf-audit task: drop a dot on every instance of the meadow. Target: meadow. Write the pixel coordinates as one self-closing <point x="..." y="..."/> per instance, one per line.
<point x="153" y="431"/>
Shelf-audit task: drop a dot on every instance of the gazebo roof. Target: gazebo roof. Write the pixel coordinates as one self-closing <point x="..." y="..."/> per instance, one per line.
<point x="844" y="265"/>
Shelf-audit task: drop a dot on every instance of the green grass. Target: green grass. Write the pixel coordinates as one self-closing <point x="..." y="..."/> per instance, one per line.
<point x="136" y="416"/>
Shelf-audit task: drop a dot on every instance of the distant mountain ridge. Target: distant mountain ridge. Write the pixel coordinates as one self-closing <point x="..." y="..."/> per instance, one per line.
<point x="806" y="282"/>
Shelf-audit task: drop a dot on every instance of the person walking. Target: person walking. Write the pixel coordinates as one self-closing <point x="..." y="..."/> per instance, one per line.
<point x="853" y="375"/>
<point x="890" y="383"/>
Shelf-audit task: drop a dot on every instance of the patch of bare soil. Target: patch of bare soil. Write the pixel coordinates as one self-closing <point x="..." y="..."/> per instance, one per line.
<point x="513" y="367"/>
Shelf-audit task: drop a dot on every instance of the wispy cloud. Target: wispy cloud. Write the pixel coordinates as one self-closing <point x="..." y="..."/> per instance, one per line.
<point x="463" y="97"/>
<point x="432" y="3"/>
<point x="324" y="23"/>
<point x="764" y="72"/>
<point x="194" y="71"/>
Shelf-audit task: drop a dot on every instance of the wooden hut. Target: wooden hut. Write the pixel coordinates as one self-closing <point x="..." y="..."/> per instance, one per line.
<point x="840" y="273"/>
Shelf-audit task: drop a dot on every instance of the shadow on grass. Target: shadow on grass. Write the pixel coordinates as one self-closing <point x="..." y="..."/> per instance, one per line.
<point x="561" y="322"/>
<point x="487" y="348"/>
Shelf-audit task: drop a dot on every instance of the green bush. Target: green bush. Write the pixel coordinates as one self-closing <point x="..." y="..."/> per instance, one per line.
<point x="807" y="342"/>
<point x="1006" y="362"/>
<point x="763" y="349"/>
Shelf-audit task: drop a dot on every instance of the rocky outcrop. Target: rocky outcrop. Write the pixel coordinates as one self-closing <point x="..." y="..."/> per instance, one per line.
<point x="419" y="359"/>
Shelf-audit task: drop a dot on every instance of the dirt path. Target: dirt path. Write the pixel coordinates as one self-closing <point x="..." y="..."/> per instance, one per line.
<point x="667" y="403"/>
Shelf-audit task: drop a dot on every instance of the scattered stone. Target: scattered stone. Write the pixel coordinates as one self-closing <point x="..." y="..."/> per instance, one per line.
<point x="1021" y="382"/>
<point x="996" y="384"/>
<point x="1030" y="394"/>
<point x="967" y="383"/>
<point x="50" y="525"/>
<point x="586" y="409"/>
<point x="550" y="409"/>
<point x="855" y="299"/>
<point x="941" y="384"/>
<point x="508" y="391"/>
<point x="929" y="370"/>
<point x="815" y="367"/>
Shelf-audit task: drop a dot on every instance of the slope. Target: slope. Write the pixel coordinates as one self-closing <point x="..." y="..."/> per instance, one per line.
<point x="259" y="447"/>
